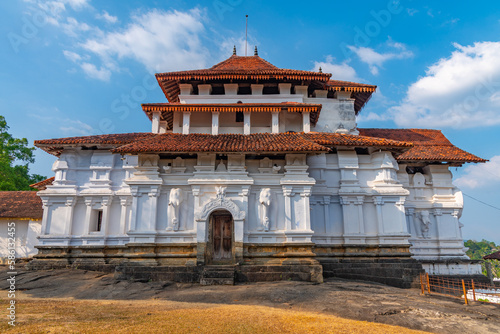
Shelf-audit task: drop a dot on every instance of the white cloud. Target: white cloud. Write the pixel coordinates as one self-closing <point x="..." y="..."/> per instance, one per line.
<point x="158" y="39"/>
<point x="77" y="4"/>
<point x="72" y="27"/>
<point x="340" y="71"/>
<point x="92" y="71"/>
<point x="481" y="175"/>
<point x="459" y="91"/>
<point x="74" y="57"/>
<point x="106" y="17"/>
<point x="375" y="60"/>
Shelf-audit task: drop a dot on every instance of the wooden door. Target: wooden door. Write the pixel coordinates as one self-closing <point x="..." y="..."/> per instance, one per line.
<point x="222" y="238"/>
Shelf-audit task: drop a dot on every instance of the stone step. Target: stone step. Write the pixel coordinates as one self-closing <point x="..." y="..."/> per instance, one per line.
<point x="219" y="267"/>
<point x="216" y="281"/>
<point x="218" y="274"/>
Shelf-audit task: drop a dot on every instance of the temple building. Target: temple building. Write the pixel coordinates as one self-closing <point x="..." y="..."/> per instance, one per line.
<point x="252" y="172"/>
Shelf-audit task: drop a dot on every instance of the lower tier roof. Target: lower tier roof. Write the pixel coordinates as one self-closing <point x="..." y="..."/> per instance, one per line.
<point x="409" y="145"/>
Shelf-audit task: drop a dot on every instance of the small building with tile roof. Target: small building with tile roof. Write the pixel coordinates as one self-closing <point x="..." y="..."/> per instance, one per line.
<point x="252" y="172"/>
<point x="20" y="223"/>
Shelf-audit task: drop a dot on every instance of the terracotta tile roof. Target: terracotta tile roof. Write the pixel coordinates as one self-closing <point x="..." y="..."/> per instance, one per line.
<point x="55" y="146"/>
<point x="492" y="256"/>
<point x="20" y="204"/>
<point x="167" y="109"/>
<point x="429" y="145"/>
<point x="224" y="143"/>
<point x="349" y="86"/>
<point x="256" y="68"/>
<point x="239" y="67"/>
<point x="339" y="139"/>
<point x="43" y="184"/>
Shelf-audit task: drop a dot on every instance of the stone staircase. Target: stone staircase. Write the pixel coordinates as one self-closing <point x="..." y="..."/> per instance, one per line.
<point x="217" y="275"/>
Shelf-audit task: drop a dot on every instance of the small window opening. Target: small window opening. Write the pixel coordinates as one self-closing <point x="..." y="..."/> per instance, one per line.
<point x="98" y="223"/>
<point x="239" y="116"/>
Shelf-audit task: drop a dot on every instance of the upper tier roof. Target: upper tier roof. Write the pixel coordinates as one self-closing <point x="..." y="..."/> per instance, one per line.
<point x="256" y="68"/>
<point x="239" y="67"/>
<point x="167" y="109"/>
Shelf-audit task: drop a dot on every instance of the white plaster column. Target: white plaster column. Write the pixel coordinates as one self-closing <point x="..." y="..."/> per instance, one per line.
<point x="437" y="216"/>
<point x="106" y="205"/>
<point x="46" y="207"/>
<point x="155" y="122"/>
<point x="153" y="208"/>
<point x="163" y="126"/>
<point x="379" y="202"/>
<point x="359" y="204"/>
<point x="410" y="214"/>
<point x="285" y="88"/>
<point x="326" y="212"/>
<point x="135" y="201"/>
<point x="186" y="119"/>
<point x="89" y="202"/>
<point x="301" y="90"/>
<point x="275" y="122"/>
<point x="70" y="206"/>
<point x="196" y="198"/>
<point x="287" y="192"/>
<point x="125" y="203"/>
<point x="246" y="124"/>
<point x="215" y="123"/>
<point x="306" y="223"/>
<point x="306" y="122"/>
<point x="239" y="229"/>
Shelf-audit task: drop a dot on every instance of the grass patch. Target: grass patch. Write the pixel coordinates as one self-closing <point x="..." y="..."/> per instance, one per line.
<point x="155" y="316"/>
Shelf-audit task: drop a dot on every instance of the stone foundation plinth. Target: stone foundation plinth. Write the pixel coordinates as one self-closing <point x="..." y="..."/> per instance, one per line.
<point x="387" y="264"/>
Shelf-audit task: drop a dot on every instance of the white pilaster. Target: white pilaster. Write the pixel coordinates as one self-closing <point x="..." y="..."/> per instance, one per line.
<point x="215" y="123"/>
<point x="155" y="122"/>
<point x="275" y="122"/>
<point x="186" y="118"/>
<point x="124" y="202"/>
<point x="70" y="206"/>
<point x="246" y="123"/>
<point x="306" y="122"/>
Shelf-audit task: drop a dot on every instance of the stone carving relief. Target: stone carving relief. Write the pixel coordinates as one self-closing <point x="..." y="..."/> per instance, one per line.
<point x="220" y="202"/>
<point x="264" y="204"/>
<point x="425" y="223"/>
<point x="174" y="202"/>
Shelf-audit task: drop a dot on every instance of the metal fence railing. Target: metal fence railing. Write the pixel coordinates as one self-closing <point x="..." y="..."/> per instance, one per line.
<point x="468" y="290"/>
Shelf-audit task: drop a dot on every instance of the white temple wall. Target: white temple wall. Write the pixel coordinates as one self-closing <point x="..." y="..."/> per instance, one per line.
<point x="369" y="209"/>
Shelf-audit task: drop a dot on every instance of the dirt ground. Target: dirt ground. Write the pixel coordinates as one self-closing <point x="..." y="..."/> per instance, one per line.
<point x="343" y="298"/>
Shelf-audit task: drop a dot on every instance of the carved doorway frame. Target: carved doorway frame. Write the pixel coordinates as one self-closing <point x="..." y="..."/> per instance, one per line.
<point x="202" y="218"/>
<point x="210" y="249"/>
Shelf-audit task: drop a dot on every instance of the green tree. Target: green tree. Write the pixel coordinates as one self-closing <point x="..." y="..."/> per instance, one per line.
<point x="15" y="156"/>
<point x="478" y="249"/>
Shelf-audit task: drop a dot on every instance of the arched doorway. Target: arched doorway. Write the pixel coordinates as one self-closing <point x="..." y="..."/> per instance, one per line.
<point x="220" y="248"/>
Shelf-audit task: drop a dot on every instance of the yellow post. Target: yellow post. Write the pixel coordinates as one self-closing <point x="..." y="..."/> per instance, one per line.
<point x="422" y="284"/>
<point x="465" y="292"/>
<point x="428" y="283"/>
<point x="473" y="291"/>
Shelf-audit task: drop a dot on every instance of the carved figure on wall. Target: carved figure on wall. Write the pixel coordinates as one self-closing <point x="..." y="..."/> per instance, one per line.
<point x="264" y="204"/>
<point x="221" y="167"/>
<point x="174" y="202"/>
<point x="425" y="223"/>
<point x="220" y="192"/>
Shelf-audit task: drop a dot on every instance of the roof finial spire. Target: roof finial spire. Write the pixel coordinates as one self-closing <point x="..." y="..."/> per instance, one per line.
<point x="234" y="50"/>
<point x="255" y="52"/>
<point x="320" y="70"/>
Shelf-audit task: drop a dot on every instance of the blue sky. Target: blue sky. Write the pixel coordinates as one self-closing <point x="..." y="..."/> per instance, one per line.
<point x="79" y="67"/>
